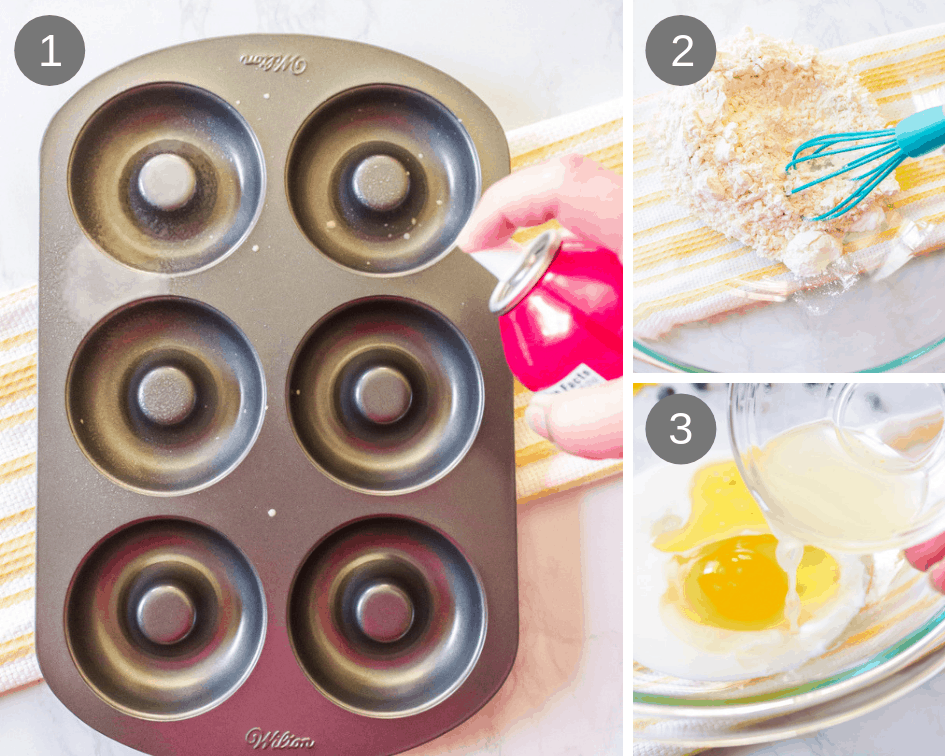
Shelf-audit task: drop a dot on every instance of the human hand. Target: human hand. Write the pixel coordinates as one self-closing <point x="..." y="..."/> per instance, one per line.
<point x="927" y="557"/>
<point x="587" y="200"/>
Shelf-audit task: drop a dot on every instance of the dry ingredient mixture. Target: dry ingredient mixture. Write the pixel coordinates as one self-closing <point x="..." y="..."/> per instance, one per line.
<point x="724" y="143"/>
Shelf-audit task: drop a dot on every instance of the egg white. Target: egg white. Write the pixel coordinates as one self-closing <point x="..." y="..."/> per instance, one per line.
<point x="667" y="641"/>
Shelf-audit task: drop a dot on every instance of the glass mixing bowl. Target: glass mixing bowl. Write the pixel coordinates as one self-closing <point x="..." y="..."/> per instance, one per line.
<point x="897" y="323"/>
<point x="884" y="652"/>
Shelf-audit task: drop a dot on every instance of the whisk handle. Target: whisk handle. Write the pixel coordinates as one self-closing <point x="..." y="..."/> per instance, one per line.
<point x="921" y="132"/>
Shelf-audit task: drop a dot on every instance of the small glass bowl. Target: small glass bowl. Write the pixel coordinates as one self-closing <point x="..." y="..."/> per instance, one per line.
<point x="902" y="423"/>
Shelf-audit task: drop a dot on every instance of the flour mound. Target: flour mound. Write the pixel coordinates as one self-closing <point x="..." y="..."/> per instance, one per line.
<point x="724" y="141"/>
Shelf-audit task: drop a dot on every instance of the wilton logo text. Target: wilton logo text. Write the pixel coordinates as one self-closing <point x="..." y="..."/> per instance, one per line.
<point x="294" y="63"/>
<point x="276" y="740"/>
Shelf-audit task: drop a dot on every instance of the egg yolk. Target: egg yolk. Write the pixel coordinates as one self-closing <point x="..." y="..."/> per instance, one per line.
<point x="737" y="583"/>
<point x="732" y="580"/>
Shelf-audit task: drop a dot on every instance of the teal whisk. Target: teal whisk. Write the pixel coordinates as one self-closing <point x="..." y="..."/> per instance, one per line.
<point x="913" y="136"/>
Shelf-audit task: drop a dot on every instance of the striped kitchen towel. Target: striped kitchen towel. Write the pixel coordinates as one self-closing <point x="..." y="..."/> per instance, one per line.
<point x="18" y="664"/>
<point x="685" y="272"/>
<point x="540" y="467"/>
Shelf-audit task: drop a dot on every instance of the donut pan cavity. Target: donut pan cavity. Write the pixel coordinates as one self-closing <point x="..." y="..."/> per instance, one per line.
<point x="276" y="460"/>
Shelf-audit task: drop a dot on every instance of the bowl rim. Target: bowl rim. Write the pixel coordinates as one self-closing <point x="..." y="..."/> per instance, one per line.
<point x="653" y="357"/>
<point x="838" y="711"/>
<point x="879" y="666"/>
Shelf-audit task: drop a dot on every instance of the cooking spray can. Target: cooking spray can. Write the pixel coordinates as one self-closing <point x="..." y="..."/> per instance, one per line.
<point x="561" y="314"/>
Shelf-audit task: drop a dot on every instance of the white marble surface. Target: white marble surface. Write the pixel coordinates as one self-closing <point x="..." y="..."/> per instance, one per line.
<point x="528" y="60"/>
<point x="907" y="727"/>
<point x="822" y="23"/>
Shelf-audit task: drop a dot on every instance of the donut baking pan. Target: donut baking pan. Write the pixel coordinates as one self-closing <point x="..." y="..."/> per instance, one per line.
<point x="276" y="459"/>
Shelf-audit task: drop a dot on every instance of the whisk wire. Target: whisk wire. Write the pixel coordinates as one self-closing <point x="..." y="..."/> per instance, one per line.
<point x="846" y="168"/>
<point x="845" y="136"/>
<point x="860" y="194"/>
<point x="873" y="171"/>
<point x="914" y="136"/>
<point x="820" y="154"/>
<point x="869" y="138"/>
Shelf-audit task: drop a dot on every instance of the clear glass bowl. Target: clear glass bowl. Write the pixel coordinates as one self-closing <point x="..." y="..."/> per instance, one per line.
<point x="900" y="624"/>
<point x="897" y="426"/>
<point x="897" y="323"/>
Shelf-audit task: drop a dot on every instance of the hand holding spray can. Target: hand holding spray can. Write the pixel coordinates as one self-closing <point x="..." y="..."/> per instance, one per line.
<point x="561" y="314"/>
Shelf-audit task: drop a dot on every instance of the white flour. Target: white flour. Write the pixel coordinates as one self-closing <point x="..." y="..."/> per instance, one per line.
<point x="724" y="142"/>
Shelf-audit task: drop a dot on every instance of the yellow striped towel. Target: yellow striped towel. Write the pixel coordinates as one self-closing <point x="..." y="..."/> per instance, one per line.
<point x="540" y="468"/>
<point x="17" y="488"/>
<point x="684" y="272"/>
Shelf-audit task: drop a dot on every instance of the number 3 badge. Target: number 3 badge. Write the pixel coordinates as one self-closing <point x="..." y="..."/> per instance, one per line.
<point x="680" y="428"/>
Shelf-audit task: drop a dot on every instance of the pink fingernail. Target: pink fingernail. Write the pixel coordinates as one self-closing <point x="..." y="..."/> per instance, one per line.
<point x="535" y="417"/>
<point x="924" y="555"/>
<point x="937" y="576"/>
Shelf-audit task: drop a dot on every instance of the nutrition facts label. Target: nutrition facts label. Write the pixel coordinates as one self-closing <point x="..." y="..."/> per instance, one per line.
<point x="581" y="377"/>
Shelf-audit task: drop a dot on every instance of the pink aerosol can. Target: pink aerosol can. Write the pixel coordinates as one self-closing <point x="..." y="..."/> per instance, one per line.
<point x="561" y="314"/>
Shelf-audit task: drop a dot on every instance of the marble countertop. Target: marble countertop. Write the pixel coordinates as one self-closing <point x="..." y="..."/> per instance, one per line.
<point x="811" y="22"/>
<point x="528" y="60"/>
